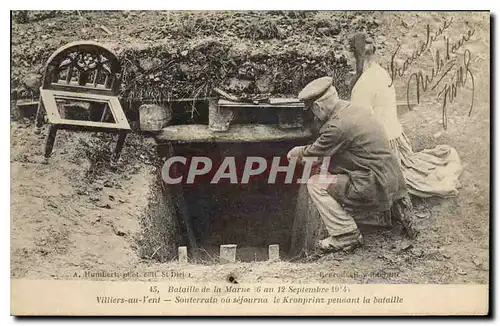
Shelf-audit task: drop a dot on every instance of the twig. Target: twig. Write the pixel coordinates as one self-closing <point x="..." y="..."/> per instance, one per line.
<point x="104" y="28"/>
<point x="212" y="258"/>
<point x="193" y="107"/>
<point x="154" y="252"/>
<point x="226" y="95"/>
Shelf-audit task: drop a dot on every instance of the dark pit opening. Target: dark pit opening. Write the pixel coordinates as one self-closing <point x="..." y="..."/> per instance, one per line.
<point x="198" y="113"/>
<point x="252" y="216"/>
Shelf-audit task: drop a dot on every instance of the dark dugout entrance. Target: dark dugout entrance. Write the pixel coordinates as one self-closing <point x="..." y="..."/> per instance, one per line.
<point x="252" y="215"/>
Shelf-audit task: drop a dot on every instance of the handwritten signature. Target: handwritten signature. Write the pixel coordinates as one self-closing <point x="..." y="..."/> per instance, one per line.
<point x="442" y="66"/>
<point x="424" y="46"/>
<point x="450" y="90"/>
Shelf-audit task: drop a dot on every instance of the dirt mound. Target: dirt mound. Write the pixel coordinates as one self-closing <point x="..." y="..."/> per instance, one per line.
<point x="57" y="230"/>
<point x="171" y="55"/>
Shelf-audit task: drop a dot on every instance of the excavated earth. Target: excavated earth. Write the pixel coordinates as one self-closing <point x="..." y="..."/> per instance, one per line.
<point x="77" y="211"/>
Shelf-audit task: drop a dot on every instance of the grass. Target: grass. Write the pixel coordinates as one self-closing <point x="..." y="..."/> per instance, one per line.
<point x="160" y="234"/>
<point x="215" y="44"/>
<point x="458" y="227"/>
<point x="263" y="29"/>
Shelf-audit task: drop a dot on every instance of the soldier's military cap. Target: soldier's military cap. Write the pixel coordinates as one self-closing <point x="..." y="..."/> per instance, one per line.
<point x="315" y="89"/>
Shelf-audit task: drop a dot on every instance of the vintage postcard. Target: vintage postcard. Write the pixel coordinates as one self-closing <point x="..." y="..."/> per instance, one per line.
<point x="250" y="163"/>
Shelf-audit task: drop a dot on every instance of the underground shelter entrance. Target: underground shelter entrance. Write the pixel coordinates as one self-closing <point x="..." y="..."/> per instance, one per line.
<point x="253" y="215"/>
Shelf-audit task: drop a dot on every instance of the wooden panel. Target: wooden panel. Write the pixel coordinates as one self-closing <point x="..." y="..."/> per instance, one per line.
<point x="219" y="119"/>
<point x="89" y="124"/>
<point x="82" y="59"/>
<point x="49" y="99"/>
<point x="75" y="88"/>
<point x="72" y="127"/>
<point x="77" y="96"/>
<point x="235" y="134"/>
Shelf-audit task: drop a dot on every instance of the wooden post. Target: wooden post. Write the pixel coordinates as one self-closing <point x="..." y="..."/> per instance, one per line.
<point x="307" y="226"/>
<point x="120" y="143"/>
<point x="183" y="254"/>
<point x="51" y="138"/>
<point x="177" y="197"/>
<point x="39" y="119"/>
<point x="227" y="253"/>
<point x="219" y="119"/>
<point x="104" y="113"/>
<point x="274" y="252"/>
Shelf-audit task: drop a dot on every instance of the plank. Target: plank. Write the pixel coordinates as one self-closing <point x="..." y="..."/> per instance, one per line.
<point x="183" y="254"/>
<point x="274" y="252"/>
<point x="49" y="100"/>
<point x="227" y="253"/>
<point x="176" y="195"/>
<point x="273" y="103"/>
<point x="235" y="134"/>
<point x="219" y="119"/>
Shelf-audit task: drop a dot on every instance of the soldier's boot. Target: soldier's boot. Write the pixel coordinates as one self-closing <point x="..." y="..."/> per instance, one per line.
<point x="344" y="241"/>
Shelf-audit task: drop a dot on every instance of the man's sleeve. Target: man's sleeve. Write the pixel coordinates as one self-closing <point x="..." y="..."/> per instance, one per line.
<point x="329" y="142"/>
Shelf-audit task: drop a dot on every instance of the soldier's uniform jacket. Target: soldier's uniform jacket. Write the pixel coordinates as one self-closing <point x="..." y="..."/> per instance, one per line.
<point x="368" y="175"/>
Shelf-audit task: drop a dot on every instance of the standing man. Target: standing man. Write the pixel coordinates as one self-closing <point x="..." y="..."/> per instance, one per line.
<point x="363" y="173"/>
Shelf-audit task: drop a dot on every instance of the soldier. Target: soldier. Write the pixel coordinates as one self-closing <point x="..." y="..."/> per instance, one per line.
<point x="363" y="173"/>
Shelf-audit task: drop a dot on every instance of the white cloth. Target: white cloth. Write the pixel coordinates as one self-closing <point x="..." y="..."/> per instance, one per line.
<point x="372" y="91"/>
<point x="337" y="220"/>
<point x="431" y="172"/>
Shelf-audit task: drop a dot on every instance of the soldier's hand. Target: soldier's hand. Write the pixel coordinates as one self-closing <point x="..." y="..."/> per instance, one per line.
<point x="294" y="152"/>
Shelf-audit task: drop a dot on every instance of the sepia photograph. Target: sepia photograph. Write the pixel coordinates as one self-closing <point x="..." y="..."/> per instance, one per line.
<point x="264" y="162"/>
